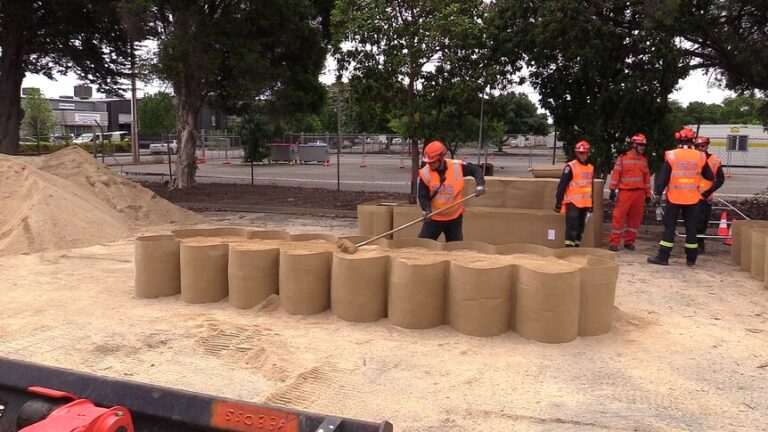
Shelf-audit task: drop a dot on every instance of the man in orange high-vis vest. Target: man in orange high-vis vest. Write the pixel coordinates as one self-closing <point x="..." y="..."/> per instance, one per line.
<point x="574" y="194"/>
<point x="701" y="143"/>
<point x="441" y="182"/>
<point x="632" y="179"/>
<point x="681" y="176"/>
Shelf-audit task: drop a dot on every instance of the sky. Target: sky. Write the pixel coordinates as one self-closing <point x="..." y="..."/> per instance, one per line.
<point x="694" y="88"/>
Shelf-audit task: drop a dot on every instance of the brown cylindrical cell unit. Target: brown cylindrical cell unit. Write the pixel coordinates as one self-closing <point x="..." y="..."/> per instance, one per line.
<point x="374" y="219"/>
<point x="210" y="232"/>
<point x="597" y="293"/>
<point x="330" y="238"/>
<point x="157" y="268"/>
<point x="547" y="305"/>
<point x="745" y="241"/>
<point x="305" y="282"/>
<point x="404" y="243"/>
<point x="416" y="298"/>
<point x="757" y="269"/>
<point x="736" y="246"/>
<point x="480" y="299"/>
<point x="267" y="235"/>
<point x="253" y="274"/>
<point x="475" y="246"/>
<point x="204" y="271"/>
<point x="524" y="248"/>
<point x="359" y="287"/>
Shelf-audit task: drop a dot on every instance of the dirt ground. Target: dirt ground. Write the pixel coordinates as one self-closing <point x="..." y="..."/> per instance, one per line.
<point x="689" y="350"/>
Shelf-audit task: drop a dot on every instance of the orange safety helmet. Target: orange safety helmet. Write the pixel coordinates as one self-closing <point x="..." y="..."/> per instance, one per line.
<point x="434" y="151"/>
<point x="701" y="141"/>
<point x="685" y="134"/>
<point x="582" y="147"/>
<point x="638" y="139"/>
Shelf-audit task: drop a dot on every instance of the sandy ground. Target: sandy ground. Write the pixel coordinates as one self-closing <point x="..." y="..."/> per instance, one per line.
<point x="689" y="350"/>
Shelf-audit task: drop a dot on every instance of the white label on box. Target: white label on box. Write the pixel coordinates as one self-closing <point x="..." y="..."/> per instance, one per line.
<point x="550" y="234"/>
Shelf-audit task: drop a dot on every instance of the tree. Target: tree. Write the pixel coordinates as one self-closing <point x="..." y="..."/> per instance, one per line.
<point x="515" y="114"/>
<point x="733" y="110"/>
<point x="53" y="37"/>
<point x="601" y="71"/>
<point x="39" y="121"/>
<point x="236" y="51"/>
<point x="396" y="48"/>
<point x="157" y="114"/>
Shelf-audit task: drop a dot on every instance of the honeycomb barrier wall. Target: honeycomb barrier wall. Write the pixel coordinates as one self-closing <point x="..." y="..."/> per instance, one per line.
<point x="750" y="247"/>
<point x="551" y="305"/>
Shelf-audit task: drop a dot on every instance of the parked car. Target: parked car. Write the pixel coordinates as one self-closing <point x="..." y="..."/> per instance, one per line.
<point x="162" y="148"/>
<point x="397" y="140"/>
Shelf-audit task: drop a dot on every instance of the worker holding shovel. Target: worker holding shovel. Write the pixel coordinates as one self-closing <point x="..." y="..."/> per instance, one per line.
<point x="441" y="182"/>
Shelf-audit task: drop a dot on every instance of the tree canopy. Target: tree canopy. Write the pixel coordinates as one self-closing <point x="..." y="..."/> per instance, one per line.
<point x="157" y="114"/>
<point x="733" y="110"/>
<point x="51" y="37"/>
<point x="39" y="121"/>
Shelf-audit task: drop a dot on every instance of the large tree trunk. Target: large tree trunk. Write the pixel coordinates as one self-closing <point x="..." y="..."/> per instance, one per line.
<point x="188" y="105"/>
<point x="11" y="76"/>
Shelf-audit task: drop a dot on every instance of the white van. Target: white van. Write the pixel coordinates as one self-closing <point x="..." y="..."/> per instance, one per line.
<point x="109" y="136"/>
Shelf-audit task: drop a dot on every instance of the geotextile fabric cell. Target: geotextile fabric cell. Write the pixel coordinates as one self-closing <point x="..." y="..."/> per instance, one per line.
<point x="305" y="282"/>
<point x="416" y="294"/>
<point x="757" y="269"/>
<point x="204" y="272"/>
<point x="157" y="268"/>
<point x="480" y="299"/>
<point x="547" y="305"/>
<point x="253" y="274"/>
<point x="359" y="287"/>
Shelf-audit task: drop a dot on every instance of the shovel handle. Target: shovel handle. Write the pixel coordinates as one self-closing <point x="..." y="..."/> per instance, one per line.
<point x="416" y="221"/>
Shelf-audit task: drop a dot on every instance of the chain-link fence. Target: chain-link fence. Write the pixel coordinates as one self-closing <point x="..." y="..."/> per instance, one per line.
<point x="745" y="164"/>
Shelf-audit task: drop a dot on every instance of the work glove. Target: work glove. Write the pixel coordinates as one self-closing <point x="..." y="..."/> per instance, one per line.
<point x="480" y="191"/>
<point x="647" y="200"/>
<point x="558" y="207"/>
<point x="425" y="214"/>
<point x="612" y="195"/>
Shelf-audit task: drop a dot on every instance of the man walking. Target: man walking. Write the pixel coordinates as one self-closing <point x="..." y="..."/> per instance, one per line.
<point x="441" y="182"/>
<point x="574" y="194"/>
<point x="707" y="188"/>
<point x="632" y="180"/>
<point x="681" y="175"/>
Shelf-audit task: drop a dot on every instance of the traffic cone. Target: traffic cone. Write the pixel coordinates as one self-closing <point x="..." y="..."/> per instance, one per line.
<point x="722" y="229"/>
<point x="729" y="240"/>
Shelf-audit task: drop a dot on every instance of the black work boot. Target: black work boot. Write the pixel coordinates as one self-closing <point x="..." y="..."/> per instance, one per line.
<point x="690" y="257"/>
<point x="630" y="246"/>
<point x="701" y="247"/>
<point x="662" y="258"/>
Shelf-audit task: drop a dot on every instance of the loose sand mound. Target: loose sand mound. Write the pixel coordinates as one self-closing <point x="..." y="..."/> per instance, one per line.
<point x="67" y="200"/>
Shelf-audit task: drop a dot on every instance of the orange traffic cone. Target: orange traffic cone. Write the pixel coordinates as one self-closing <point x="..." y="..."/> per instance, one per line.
<point x="729" y="240"/>
<point x="722" y="229"/>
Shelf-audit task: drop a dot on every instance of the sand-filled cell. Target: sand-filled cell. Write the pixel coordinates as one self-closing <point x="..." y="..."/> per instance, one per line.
<point x="597" y="295"/>
<point x="480" y="299"/>
<point x="359" y="287"/>
<point x="547" y="305"/>
<point x="204" y="268"/>
<point x="253" y="274"/>
<point x="417" y="294"/>
<point x="305" y="282"/>
<point x="757" y="269"/>
<point x="157" y="266"/>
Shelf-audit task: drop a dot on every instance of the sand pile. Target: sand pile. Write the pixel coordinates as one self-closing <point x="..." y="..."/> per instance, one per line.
<point x="67" y="199"/>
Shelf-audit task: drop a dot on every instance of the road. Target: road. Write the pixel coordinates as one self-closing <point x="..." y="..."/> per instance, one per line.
<point x="374" y="172"/>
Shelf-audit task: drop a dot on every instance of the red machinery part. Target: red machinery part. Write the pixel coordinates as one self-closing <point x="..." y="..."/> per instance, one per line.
<point x="80" y="415"/>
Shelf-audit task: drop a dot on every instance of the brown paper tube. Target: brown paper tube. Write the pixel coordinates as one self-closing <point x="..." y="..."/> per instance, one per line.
<point x="598" y="291"/>
<point x="480" y="299"/>
<point x="210" y="232"/>
<point x="401" y="215"/>
<point x="203" y="272"/>
<point x="359" y="287"/>
<point x="267" y="235"/>
<point x="757" y="269"/>
<point x="524" y="248"/>
<point x="417" y="294"/>
<point x="415" y="243"/>
<point x="495" y="191"/>
<point x="547" y="305"/>
<point x="157" y="268"/>
<point x="253" y="274"/>
<point x="601" y="253"/>
<point x="475" y="246"/>
<point x="355" y="239"/>
<point x="330" y="238"/>
<point x="305" y="282"/>
<point x="373" y="219"/>
<point x="745" y="240"/>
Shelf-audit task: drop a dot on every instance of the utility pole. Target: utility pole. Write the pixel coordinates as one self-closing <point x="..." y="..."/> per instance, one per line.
<point x="134" y="111"/>
<point x="338" y="138"/>
<point x="480" y="138"/>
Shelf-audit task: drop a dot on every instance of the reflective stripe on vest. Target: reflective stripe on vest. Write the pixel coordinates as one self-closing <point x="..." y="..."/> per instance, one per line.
<point x="714" y="163"/>
<point x="447" y="193"/>
<point x="579" y="191"/>
<point x="684" y="180"/>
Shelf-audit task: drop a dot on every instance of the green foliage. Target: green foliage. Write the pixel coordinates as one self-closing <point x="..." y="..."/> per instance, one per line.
<point x="157" y="114"/>
<point x="733" y="110"/>
<point x="601" y="71"/>
<point x="254" y="128"/>
<point x="39" y="121"/>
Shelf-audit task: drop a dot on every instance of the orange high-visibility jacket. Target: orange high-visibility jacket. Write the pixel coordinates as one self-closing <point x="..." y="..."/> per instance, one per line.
<point x="579" y="192"/>
<point x="684" y="180"/>
<point x="631" y="172"/>
<point x="714" y="163"/>
<point x="447" y="193"/>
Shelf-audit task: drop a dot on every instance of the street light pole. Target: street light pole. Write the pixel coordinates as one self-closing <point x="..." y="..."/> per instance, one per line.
<point x="134" y="111"/>
<point x="480" y="138"/>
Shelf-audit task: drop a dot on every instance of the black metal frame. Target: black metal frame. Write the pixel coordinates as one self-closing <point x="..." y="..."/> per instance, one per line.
<point x="160" y="409"/>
